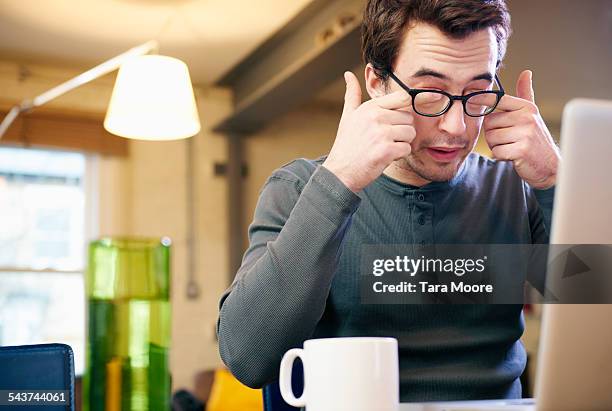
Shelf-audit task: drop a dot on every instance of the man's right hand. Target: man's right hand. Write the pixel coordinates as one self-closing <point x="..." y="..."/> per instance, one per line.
<point x="370" y="135"/>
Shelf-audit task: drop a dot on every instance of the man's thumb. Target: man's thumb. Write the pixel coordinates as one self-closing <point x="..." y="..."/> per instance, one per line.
<point x="352" y="97"/>
<point x="524" y="86"/>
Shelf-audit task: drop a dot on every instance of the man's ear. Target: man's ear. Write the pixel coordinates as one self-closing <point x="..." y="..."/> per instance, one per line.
<point x="374" y="84"/>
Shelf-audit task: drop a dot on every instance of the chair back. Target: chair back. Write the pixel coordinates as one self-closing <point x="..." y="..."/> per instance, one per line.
<point x="42" y="368"/>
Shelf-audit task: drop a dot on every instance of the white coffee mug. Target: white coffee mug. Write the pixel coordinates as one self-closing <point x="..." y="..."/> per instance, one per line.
<point x="344" y="374"/>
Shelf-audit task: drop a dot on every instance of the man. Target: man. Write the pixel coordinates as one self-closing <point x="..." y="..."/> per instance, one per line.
<point x="401" y="171"/>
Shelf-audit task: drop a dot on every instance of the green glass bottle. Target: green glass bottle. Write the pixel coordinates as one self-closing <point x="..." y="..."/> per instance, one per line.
<point x="128" y="292"/>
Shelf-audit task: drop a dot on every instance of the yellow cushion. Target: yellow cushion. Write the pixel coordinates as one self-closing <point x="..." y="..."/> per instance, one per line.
<point x="229" y="394"/>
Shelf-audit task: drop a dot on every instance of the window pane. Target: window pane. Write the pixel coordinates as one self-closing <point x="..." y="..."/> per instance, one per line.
<point x="38" y="308"/>
<point x="41" y="209"/>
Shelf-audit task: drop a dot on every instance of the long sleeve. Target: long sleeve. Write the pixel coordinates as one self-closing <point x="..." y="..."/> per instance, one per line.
<point x="279" y="293"/>
<point x="540" y="218"/>
<point x="545" y="199"/>
<point x="540" y="204"/>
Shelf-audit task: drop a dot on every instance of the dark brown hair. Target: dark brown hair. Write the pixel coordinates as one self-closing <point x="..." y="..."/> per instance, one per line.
<point x="385" y="22"/>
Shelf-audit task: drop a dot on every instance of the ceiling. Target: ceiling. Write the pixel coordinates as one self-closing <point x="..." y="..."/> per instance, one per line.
<point x="566" y="43"/>
<point x="211" y="36"/>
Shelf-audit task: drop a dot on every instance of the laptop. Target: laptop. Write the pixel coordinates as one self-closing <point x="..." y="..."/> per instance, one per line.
<point x="575" y="358"/>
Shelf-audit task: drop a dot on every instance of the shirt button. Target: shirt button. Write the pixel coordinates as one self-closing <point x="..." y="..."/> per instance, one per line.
<point x="421" y="220"/>
<point x="421" y="197"/>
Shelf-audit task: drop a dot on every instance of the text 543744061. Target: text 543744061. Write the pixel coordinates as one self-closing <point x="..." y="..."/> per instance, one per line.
<point x="33" y="397"/>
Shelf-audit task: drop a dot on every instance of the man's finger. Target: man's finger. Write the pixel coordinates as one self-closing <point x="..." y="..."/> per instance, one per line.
<point x="501" y="136"/>
<point x="500" y="120"/>
<point x="404" y="133"/>
<point x="507" y="152"/>
<point x="352" y="96"/>
<point x="397" y="100"/>
<point x="511" y="103"/>
<point x="393" y="117"/>
<point x="401" y="149"/>
<point x="524" y="86"/>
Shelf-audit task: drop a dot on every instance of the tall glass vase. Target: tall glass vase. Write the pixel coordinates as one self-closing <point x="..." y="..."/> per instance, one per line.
<point x="128" y="292"/>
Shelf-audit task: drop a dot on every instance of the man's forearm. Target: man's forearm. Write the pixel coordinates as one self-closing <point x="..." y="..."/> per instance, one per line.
<point x="279" y="295"/>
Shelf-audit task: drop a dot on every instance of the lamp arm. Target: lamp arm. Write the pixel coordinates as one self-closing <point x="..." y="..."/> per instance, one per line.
<point x="83" y="78"/>
<point x="8" y="119"/>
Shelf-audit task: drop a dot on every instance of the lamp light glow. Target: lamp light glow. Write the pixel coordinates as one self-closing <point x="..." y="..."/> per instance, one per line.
<point x="153" y="100"/>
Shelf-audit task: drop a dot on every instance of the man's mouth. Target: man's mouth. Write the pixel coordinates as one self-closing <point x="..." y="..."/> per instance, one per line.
<point x="444" y="154"/>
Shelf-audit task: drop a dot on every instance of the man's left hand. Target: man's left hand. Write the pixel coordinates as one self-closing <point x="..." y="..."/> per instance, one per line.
<point x="517" y="133"/>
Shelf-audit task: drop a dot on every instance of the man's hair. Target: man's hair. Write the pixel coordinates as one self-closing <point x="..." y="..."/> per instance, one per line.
<point x="385" y="22"/>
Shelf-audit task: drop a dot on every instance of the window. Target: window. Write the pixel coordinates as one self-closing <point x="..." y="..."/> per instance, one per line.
<point x="42" y="248"/>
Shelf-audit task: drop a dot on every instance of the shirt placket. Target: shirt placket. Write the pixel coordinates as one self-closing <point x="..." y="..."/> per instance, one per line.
<point x="421" y="221"/>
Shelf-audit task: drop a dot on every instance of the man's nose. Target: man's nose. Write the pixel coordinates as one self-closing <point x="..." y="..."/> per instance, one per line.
<point x="453" y="121"/>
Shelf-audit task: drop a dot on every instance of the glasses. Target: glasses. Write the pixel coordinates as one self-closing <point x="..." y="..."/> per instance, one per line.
<point x="433" y="103"/>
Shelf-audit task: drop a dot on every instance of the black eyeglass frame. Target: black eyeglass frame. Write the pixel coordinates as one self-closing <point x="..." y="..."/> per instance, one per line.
<point x="415" y="91"/>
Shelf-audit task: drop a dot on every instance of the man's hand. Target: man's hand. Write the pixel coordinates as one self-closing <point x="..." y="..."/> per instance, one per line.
<point x="370" y="135"/>
<point x="518" y="134"/>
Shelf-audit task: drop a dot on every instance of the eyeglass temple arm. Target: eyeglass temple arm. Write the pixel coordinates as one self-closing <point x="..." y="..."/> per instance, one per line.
<point x="501" y="88"/>
<point x="399" y="82"/>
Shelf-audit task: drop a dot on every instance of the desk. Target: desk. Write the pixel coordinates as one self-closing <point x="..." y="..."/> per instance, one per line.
<point x="527" y="404"/>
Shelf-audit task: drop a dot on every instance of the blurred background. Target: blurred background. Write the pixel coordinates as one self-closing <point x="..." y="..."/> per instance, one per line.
<point x="267" y="78"/>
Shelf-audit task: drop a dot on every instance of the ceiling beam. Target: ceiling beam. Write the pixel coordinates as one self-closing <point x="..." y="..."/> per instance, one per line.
<point x="308" y="53"/>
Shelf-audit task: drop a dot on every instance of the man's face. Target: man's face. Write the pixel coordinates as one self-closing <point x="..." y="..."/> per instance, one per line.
<point x="431" y="60"/>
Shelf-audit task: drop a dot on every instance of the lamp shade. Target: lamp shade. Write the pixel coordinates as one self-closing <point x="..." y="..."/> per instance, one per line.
<point x="153" y="100"/>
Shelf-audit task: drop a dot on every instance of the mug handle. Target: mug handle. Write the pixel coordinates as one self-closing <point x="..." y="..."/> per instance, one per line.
<point x="286" y="369"/>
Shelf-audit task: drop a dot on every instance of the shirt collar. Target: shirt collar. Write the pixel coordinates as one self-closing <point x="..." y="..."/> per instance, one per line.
<point x="400" y="188"/>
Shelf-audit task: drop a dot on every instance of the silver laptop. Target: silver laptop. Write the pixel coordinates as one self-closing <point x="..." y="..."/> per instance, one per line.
<point x="575" y="356"/>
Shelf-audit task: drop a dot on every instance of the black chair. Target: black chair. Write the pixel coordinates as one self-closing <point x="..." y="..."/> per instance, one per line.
<point x="38" y="368"/>
<point x="273" y="400"/>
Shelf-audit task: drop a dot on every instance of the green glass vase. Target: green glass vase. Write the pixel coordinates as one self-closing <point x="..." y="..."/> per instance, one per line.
<point x="128" y="292"/>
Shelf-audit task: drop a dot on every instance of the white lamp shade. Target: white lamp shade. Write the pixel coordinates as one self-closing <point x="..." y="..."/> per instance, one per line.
<point x="153" y="100"/>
